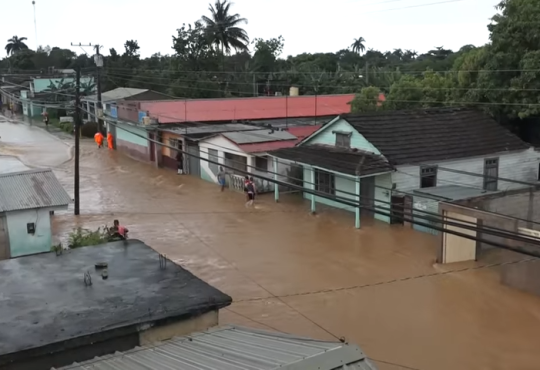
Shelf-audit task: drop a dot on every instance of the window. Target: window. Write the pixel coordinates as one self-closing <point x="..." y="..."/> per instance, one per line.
<point x="428" y="177"/>
<point x="491" y="173"/>
<point x="325" y="182"/>
<point x="261" y="164"/>
<point x="343" y="139"/>
<point x="213" y="156"/>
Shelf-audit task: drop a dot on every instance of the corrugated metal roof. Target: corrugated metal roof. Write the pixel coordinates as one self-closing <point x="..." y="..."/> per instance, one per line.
<point x="117" y="94"/>
<point x="235" y="348"/>
<point x="258" y="136"/>
<point x="209" y="129"/>
<point x="31" y="189"/>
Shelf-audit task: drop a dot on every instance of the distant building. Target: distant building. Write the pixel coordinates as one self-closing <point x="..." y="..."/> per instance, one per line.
<point x="95" y="301"/>
<point x="26" y="200"/>
<point x="236" y="348"/>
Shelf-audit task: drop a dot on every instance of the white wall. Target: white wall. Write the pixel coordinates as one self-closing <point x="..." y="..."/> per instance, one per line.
<point x="20" y="242"/>
<point x="522" y="166"/>
<point x="222" y="145"/>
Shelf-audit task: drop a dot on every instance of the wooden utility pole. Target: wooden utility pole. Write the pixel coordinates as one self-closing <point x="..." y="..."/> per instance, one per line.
<point x="77" y="119"/>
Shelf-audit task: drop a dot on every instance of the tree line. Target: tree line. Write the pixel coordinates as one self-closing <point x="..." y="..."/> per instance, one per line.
<point x="214" y="57"/>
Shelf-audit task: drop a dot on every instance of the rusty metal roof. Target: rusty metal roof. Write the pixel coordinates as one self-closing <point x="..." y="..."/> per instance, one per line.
<point x="235" y="348"/>
<point x="31" y="189"/>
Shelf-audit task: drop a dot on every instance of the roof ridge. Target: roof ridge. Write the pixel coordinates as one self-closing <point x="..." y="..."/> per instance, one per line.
<point x="25" y="172"/>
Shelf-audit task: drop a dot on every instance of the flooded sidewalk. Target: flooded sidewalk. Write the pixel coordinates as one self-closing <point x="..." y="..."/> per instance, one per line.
<point x="312" y="275"/>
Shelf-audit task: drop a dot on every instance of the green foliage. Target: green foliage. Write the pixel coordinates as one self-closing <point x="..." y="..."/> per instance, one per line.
<point x="367" y="100"/>
<point x="83" y="237"/>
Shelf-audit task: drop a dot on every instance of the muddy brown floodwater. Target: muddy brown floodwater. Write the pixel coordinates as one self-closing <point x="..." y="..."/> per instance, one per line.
<point x="308" y="275"/>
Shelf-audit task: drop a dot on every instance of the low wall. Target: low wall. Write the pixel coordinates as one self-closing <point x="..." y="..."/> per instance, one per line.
<point x="133" y="150"/>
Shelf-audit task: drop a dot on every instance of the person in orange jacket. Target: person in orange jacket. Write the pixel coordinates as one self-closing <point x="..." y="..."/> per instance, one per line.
<point x="110" y="140"/>
<point x="98" y="137"/>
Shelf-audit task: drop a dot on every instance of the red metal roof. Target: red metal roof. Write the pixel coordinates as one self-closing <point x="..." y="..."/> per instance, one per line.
<point x="205" y="110"/>
<point x="300" y="132"/>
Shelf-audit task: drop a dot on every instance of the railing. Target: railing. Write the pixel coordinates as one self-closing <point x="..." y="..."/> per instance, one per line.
<point x="236" y="182"/>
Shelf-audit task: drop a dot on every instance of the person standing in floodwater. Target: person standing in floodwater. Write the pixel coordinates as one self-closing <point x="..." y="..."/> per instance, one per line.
<point x="221" y="178"/>
<point x="250" y="193"/>
<point x="110" y="143"/>
<point x="98" y="137"/>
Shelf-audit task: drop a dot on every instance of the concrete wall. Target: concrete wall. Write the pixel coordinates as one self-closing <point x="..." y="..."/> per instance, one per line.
<point x="132" y="141"/>
<point x="327" y="136"/>
<point x="521" y="166"/>
<point x="21" y="243"/>
<point x="342" y="184"/>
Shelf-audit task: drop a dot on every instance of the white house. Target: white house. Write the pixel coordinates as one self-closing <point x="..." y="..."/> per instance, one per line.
<point x="26" y="201"/>
<point x="421" y="149"/>
<point x="244" y="151"/>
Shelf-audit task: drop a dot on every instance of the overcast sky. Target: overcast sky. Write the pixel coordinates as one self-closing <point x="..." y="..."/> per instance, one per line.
<point x="307" y="25"/>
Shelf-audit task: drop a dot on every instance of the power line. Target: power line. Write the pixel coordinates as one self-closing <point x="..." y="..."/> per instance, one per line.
<point x="351" y="203"/>
<point x="137" y="78"/>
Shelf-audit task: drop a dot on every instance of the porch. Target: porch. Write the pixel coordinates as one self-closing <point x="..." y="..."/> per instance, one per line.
<point x="333" y="176"/>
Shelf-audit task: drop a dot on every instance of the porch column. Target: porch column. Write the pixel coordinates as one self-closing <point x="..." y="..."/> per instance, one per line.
<point x="357" y="210"/>
<point x="276" y="187"/>
<point x="88" y="110"/>
<point x="312" y="186"/>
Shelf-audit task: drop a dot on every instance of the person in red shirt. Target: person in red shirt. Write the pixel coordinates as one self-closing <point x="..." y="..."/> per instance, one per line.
<point x="121" y="230"/>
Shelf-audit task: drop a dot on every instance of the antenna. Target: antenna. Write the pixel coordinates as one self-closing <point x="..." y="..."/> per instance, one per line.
<point x="35" y="24"/>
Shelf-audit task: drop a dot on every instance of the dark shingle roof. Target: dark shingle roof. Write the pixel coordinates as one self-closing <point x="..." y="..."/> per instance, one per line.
<point x="406" y="137"/>
<point x="351" y="162"/>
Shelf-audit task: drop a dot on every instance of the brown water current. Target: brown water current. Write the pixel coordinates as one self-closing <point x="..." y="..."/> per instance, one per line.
<point x="293" y="272"/>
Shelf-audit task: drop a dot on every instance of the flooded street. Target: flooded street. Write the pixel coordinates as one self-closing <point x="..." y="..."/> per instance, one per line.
<point x="293" y="272"/>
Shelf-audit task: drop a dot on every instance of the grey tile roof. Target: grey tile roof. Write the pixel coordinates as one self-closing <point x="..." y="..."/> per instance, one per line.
<point x="435" y="134"/>
<point x="208" y="129"/>
<point x="31" y="189"/>
<point x="258" y="136"/>
<point x="351" y="162"/>
<point x="235" y="348"/>
<point x="116" y="94"/>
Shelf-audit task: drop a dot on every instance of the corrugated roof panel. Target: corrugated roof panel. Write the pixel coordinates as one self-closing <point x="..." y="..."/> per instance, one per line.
<point x="258" y="136"/>
<point x="31" y="189"/>
<point x="233" y="348"/>
<point x="116" y="94"/>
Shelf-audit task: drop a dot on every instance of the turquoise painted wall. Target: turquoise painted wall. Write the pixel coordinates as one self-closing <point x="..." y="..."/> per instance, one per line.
<point x="382" y="196"/>
<point x="325" y="136"/>
<point x="42" y="84"/>
<point x="130" y="134"/>
<point x="206" y="176"/>
<point x="21" y="243"/>
<point x="342" y="185"/>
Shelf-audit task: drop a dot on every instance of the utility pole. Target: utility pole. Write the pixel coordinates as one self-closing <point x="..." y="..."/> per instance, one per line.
<point x="77" y="119"/>
<point x="98" y="59"/>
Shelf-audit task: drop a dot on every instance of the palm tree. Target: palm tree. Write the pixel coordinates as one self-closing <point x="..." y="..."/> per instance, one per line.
<point x="358" y="45"/>
<point x="16" y="44"/>
<point x="223" y="27"/>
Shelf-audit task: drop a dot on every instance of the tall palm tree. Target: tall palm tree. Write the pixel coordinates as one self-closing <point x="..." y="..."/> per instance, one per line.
<point x="358" y="45"/>
<point x="16" y="44"/>
<point x="223" y="27"/>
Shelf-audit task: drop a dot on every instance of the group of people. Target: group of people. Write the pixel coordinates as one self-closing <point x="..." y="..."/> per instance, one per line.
<point x="98" y="138"/>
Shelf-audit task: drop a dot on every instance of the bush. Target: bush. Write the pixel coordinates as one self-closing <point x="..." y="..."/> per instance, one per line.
<point x="83" y="237"/>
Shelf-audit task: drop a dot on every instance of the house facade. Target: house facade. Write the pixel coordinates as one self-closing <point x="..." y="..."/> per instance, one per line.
<point x="423" y="149"/>
<point x="27" y="199"/>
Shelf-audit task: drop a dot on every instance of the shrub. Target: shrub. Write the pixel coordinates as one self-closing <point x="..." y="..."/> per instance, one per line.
<point x="83" y="237"/>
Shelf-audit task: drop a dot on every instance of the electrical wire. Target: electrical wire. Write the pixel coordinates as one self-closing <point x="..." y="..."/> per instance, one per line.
<point x="137" y="78"/>
<point x="350" y="203"/>
<point x="354" y="205"/>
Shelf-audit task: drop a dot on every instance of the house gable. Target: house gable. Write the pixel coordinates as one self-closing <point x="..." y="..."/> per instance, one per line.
<point x="326" y="135"/>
